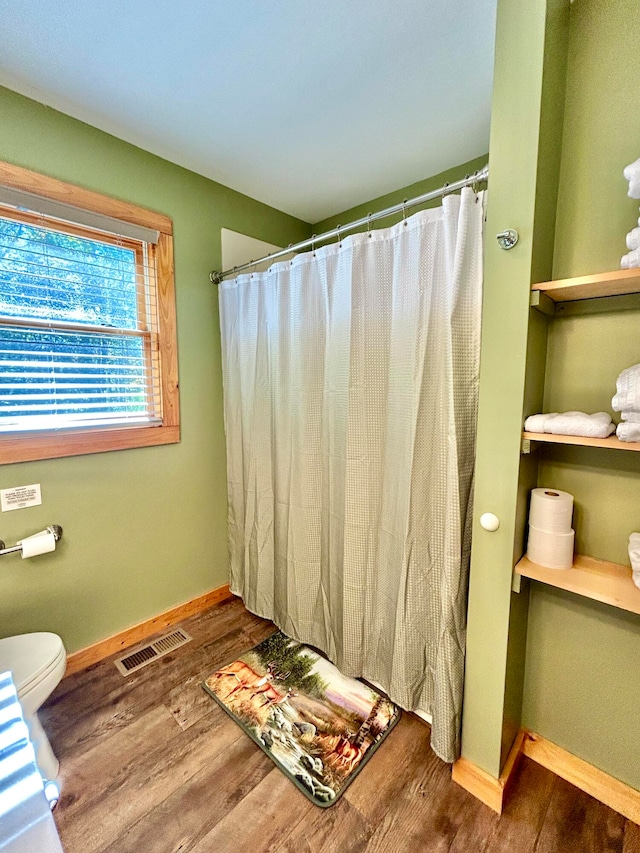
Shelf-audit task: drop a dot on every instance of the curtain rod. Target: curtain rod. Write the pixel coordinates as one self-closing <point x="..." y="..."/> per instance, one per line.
<point x="477" y="177"/>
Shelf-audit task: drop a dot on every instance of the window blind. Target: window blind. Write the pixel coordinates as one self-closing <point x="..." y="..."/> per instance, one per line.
<point x="23" y="200"/>
<point x="78" y="327"/>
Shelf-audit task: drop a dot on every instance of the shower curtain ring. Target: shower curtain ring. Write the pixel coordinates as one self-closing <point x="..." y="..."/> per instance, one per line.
<point x="338" y="227"/>
<point x="313" y="244"/>
<point x="404" y="211"/>
<point x="369" y="224"/>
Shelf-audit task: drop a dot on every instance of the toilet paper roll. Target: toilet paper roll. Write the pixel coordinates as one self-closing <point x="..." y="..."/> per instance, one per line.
<point x="552" y="550"/>
<point x="39" y="543"/>
<point x="551" y="510"/>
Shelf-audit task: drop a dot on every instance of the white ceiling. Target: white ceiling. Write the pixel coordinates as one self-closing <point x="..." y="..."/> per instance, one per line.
<point x="311" y="106"/>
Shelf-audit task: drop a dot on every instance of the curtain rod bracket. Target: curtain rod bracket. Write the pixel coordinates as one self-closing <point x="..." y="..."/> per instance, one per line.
<point x="507" y="239"/>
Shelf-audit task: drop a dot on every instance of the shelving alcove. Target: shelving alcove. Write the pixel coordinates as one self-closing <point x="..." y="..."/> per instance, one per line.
<point x="600" y="580"/>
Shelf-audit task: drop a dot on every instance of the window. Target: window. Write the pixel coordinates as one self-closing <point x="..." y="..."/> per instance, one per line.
<point x="87" y="322"/>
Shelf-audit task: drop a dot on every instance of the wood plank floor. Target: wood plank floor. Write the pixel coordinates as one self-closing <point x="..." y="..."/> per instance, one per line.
<point x="151" y="764"/>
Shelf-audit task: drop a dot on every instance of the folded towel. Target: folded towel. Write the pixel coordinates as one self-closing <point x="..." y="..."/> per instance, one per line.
<point x="627" y="398"/>
<point x="634" y="557"/>
<point x="630" y="417"/>
<point x="628" y="432"/>
<point x="633" y="239"/>
<point x="631" y="260"/>
<point x="597" y="425"/>
<point x="536" y="423"/>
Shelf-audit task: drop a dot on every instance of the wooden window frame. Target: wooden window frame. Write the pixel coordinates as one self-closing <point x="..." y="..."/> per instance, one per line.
<point x="52" y="444"/>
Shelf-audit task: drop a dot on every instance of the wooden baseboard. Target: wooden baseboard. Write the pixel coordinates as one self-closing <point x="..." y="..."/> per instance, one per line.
<point x="598" y="784"/>
<point x="485" y="787"/>
<point x="103" y="648"/>
<point x="610" y="791"/>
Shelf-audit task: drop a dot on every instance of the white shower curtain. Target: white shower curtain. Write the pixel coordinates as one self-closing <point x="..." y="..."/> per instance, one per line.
<point x="350" y="397"/>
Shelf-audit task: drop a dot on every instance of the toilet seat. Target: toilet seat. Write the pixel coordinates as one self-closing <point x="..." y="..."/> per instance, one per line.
<point x="31" y="658"/>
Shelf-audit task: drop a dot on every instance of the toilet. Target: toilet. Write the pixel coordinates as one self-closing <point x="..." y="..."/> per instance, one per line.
<point x="37" y="663"/>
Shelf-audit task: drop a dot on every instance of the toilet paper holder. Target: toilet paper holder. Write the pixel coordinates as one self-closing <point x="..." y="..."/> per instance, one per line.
<point x="52" y="528"/>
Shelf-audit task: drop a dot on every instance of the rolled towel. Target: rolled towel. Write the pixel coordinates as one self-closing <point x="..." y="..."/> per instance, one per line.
<point x="627" y="380"/>
<point x="627" y="397"/>
<point x="632" y="174"/>
<point x="536" y="423"/>
<point x="634" y="557"/>
<point x="633" y="239"/>
<point x="628" y="432"/>
<point x="634" y="188"/>
<point x="632" y="171"/>
<point x="597" y="425"/>
<point x="631" y="260"/>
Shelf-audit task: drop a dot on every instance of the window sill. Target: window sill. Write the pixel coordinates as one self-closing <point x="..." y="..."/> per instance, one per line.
<point x="80" y="442"/>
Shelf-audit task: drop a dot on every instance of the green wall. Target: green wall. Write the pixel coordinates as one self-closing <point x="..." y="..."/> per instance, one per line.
<point x="525" y="140"/>
<point x="582" y="680"/>
<point x="601" y="137"/>
<point x="581" y="688"/>
<point x="144" y="529"/>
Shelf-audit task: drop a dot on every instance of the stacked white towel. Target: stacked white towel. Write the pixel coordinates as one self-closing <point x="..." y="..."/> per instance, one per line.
<point x="633" y="239"/>
<point x="632" y="174"/>
<point x="628" y="431"/>
<point x="627" y="397"/>
<point x="632" y="259"/>
<point x="627" y="402"/>
<point x="634" y="556"/>
<point x="598" y="425"/>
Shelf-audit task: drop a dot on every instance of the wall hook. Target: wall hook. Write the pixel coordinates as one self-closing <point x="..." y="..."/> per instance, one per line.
<point x="507" y="239"/>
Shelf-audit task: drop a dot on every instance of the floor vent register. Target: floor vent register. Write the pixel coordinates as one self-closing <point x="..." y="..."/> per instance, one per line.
<point x="135" y="660"/>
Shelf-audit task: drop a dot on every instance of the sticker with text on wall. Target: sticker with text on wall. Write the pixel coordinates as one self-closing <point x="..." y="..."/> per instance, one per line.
<point x="20" y="496"/>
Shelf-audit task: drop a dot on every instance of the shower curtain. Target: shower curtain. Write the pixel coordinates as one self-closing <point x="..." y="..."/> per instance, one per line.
<point x="350" y="395"/>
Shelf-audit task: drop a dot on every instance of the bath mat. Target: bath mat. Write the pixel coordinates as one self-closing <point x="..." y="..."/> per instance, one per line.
<point x="318" y="726"/>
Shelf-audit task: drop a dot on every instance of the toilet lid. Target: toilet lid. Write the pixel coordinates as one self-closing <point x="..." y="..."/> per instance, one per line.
<point x="30" y="656"/>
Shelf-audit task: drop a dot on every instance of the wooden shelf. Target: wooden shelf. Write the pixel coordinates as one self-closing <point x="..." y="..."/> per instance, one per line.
<point x="617" y="283"/>
<point x="610" y="583"/>
<point x="597" y="579"/>
<point x="612" y="442"/>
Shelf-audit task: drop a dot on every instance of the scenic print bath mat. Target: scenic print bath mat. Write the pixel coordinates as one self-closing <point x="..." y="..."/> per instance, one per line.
<point x="317" y="725"/>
